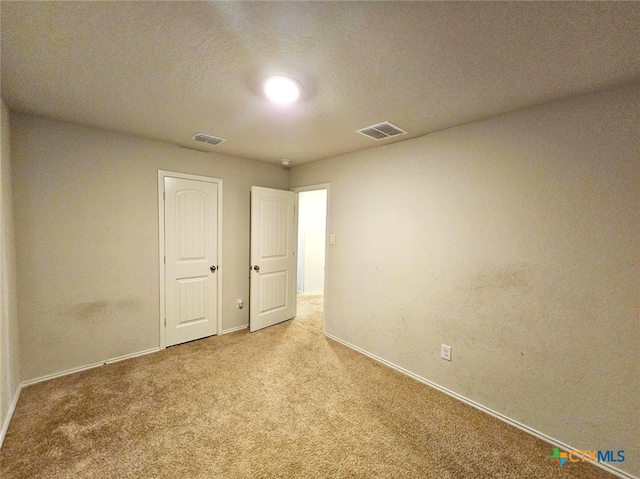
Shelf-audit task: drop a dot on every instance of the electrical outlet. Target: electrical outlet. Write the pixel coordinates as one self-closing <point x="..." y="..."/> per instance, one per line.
<point x="445" y="352"/>
<point x="240" y="303"/>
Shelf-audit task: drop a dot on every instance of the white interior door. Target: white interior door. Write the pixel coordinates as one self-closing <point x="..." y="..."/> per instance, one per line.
<point x="191" y="256"/>
<point x="272" y="295"/>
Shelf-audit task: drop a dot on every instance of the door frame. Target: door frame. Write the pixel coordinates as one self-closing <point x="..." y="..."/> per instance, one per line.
<point x="162" y="174"/>
<point x="300" y="189"/>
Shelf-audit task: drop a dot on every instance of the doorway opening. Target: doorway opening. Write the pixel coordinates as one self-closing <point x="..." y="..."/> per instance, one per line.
<point x="312" y="236"/>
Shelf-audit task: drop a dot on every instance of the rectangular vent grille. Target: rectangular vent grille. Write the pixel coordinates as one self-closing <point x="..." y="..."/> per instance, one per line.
<point x="212" y="140"/>
<point x="381" y="131"/>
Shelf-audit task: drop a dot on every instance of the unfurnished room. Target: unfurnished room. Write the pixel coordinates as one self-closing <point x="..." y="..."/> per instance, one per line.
<point x="320" y="239"/>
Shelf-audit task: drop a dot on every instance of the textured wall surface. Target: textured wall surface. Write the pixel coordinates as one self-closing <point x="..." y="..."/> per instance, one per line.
<point x="87" y="223"/>
<point x="515" y="240"/>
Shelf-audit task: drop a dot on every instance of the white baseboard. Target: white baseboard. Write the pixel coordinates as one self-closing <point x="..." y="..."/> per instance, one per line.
<point x="7" y="419"/>
<point x="233" y="330"/>
<point x="554" y="442"/>
<point x="88" y="366"/>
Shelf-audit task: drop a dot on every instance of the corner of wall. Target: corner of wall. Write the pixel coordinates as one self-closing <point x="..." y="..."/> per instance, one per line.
<point x="9" y="349"/>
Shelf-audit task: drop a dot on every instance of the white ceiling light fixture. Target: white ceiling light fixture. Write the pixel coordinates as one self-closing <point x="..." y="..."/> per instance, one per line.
<point x="282" y="90"/>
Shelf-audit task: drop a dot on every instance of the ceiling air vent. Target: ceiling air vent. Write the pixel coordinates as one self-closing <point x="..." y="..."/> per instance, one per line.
<point x="381" y="131"/>
<point x="204" y="138"/>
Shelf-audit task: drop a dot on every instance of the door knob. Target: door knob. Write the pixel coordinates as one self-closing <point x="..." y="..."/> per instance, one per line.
<point x="256" y="268"/>
<point x="213" y="268"/>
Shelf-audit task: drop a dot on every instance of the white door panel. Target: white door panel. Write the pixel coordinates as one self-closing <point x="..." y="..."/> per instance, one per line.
<point x="272" y="257"/>
<point x="191" y="235"/>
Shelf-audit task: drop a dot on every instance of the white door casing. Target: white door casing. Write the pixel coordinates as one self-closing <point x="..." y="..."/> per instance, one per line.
<point x="191" y="267"/>
<point x="272" y="290"/>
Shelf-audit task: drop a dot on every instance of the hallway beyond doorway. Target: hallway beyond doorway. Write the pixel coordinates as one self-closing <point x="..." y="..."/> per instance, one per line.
<point x="310" y="311"/>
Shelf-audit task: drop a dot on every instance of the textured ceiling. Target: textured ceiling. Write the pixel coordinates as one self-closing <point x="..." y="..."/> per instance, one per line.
<point x="170" y="69"/>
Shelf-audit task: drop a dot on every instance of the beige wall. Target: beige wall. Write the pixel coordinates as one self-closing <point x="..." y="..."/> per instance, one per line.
<point x="87" y="223"/>
<point x="9" y="346"/>
<point x="515" y="240"/>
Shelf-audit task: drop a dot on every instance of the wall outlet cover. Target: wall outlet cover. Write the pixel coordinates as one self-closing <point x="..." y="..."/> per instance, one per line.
<point x="445" y="352"/>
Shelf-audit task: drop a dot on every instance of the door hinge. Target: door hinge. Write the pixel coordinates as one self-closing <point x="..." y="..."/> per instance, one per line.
<point x="165" y="259"/>
<point x="165" y="322"/>
<point x="164" y="196"/>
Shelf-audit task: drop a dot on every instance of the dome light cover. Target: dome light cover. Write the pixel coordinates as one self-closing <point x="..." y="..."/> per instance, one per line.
<point x="283" y="90"/>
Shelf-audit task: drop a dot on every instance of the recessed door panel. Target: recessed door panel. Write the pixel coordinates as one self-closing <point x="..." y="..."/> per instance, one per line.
<point x="274" y="294"/>
<point x="191" y="303"/>
<point x="274" y="213"/>
<point x="191" y="225"/>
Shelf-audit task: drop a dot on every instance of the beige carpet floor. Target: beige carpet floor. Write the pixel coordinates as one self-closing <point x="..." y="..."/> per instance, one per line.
<point x="309" y="310"/>
<point x="285" y="402"/>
